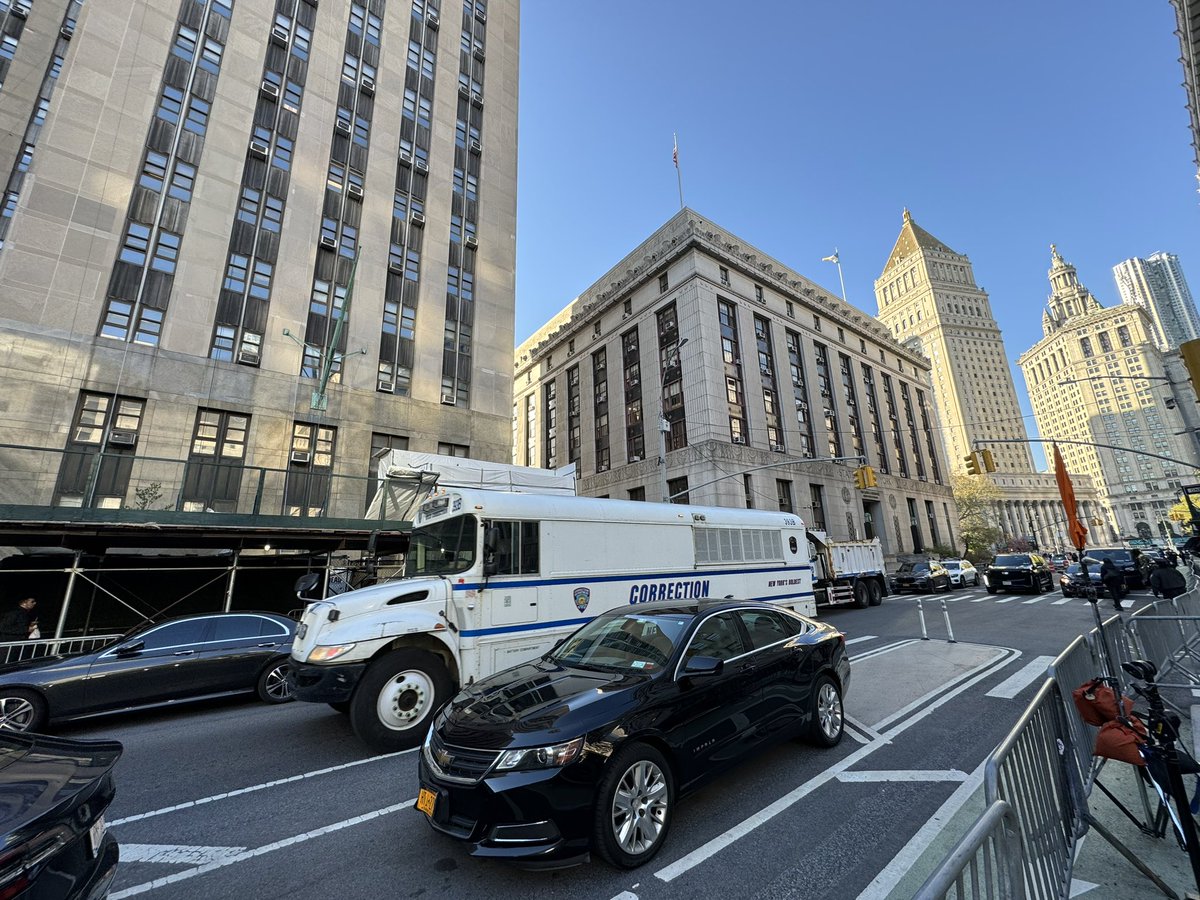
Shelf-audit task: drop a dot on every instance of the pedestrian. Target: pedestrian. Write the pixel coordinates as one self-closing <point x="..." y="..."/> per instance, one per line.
<point x="1167" y="581"/>
<point x="20" y="623"/>
<point x="1113" y="580"/>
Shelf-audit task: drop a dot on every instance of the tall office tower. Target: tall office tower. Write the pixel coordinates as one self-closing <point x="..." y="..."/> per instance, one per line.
<point x="253" y="237"/>
<point x="1096" y="377"/>
<point x="927" y="296"/>
<point x="1156" y="283"/>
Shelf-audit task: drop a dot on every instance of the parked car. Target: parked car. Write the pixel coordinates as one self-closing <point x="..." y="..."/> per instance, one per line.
<point x="962" y="572"/>
<point x="1019" y="572"/>
<point x="56" y="842"/>
<point x="921" y="575"/>
<point x="1072" y="582"/>
<point x="590" y="747"/>
<point x="1134" y="564"/>
<point x="186" y="658"/>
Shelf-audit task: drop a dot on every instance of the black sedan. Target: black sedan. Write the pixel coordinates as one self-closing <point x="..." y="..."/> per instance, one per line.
<point x="589" y="747"/>
<point x="1073" y="583"/>
<point x="188" y="658"/>
<point x="53" y="795"/>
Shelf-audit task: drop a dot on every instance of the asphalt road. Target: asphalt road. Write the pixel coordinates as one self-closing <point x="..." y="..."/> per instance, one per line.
<point x="240" y="800"/>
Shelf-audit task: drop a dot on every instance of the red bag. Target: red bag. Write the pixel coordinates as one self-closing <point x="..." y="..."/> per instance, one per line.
<point x="1119" y="741"/>
<point x="1097" y="702"/>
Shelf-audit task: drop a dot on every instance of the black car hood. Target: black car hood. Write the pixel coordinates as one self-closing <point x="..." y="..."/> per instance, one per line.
<point x="537" y="703"/>
<point x="39" y="774"/>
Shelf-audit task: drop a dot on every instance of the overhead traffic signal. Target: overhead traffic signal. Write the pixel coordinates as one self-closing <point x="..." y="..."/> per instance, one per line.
<point x="989" y="463"/>
<point x="973" y="464"/>
<point x="864" y="477"/>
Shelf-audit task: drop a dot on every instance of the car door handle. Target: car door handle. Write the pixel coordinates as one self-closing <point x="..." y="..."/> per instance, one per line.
<point x="268" y="644"/>
<point x="184" y="652"/>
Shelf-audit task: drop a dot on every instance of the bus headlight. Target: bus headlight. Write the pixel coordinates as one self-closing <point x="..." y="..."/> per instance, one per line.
<point x="331" y="651"/>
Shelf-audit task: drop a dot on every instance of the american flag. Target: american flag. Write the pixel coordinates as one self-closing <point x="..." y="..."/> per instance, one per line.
<point x="675" y="153"/>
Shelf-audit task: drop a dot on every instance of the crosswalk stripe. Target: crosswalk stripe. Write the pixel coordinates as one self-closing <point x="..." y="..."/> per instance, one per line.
<point x="1063" y="600"/>
<point x="1037" y="599"/>
<point x="1007" y="600"/>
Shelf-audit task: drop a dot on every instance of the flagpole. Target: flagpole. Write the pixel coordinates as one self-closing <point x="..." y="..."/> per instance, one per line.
<point x="837" y="261"/>
<point x="678" y="171"/>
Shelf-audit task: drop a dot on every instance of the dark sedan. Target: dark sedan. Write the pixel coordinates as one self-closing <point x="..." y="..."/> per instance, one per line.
<point x="589" y="747"/>
<point x="920" y="576"/>
<point x="55" y="793"/>
<point x="1134" y="565"/>
<point x="1019" y="572"/>
<point x="1073" y="583"/>
<point x="188" y="658"/>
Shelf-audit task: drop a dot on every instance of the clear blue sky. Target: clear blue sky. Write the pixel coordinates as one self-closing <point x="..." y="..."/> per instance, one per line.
<point x="809" y="125"/>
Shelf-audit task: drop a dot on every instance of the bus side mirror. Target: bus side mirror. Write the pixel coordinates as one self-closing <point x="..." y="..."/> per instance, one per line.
<point x="490" y="566"/>
<point x="306" y="583"/>
<point x="491" y="539"/>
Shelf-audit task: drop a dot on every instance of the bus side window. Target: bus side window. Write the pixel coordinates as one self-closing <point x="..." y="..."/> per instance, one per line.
<point x="529" y="548"/>
<point x="506" y="549"/>
<point x="516" y="550"/>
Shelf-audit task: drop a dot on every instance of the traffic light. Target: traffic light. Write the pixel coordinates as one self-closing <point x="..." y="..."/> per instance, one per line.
<point x="1190" y="350"/>
<point x="864" y="477"/>
<point x="989" y="463"/>
<point x="972" y="461"/>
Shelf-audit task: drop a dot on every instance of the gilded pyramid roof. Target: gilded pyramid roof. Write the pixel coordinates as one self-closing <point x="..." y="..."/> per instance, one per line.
<point x="913" y="238"/>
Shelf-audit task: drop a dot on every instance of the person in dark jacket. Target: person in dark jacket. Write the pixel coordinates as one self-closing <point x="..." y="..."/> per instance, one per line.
<point x="17" y="624"/>
<point x="1113" y="580"/>
<point x="1167" y="581"/>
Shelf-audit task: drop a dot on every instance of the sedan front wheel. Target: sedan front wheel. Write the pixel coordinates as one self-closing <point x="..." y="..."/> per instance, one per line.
<point x="828" y="721"/>
<point x="273" y="685"/>
<point x="21" y="711"/>
<point x="636" y="801"/>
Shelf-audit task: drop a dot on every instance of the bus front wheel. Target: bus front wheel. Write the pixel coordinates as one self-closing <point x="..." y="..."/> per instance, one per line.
<point x="396" y="700"/>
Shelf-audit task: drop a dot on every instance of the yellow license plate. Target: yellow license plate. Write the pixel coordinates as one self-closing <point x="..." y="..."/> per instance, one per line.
<point x="425" y="801"/>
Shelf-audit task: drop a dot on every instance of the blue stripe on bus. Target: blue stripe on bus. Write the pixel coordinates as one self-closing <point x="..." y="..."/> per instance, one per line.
<point x="644" y="576"/>
<point x="537" y="626"/>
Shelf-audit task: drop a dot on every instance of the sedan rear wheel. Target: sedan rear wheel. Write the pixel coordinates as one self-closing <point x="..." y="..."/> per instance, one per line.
<point x="21" y="710"/>
<point x="828" y="721"/>
<point x="635" y="806"/>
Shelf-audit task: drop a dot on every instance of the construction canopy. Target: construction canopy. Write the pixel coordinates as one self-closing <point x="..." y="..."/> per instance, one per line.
<point x="407" y="478"/>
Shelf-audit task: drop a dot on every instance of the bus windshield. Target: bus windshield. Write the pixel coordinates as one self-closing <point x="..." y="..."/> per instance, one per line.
<point x="443" y="548"/>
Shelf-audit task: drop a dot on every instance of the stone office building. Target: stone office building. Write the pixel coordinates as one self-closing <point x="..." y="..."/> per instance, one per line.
<point x="702" y="370"/>
<point x="191" y="187"/>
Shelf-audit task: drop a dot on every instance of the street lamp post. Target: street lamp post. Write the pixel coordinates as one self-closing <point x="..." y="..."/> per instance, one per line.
<point x="664" y="426"/>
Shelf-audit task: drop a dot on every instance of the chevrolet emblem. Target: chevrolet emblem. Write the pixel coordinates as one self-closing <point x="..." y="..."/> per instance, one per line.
<point x="443" y="758"/>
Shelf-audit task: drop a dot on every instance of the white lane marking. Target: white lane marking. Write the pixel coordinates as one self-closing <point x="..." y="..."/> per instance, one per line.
<point x="256" y="787"/>
<point x="1037" y="599"/>
<point x="885" y="882"/>
<point x="879" y="651"/>
<point x="866" y="637"/>
<point x="980" y="599"/>
<point x="1081" y="887"/>
<point x="903" y="775"/>
<point x="721" y="841"/>
<point x="258" y="851"/>
<point x="864" y="728"/>
<point x="175" y="854"/>
<point x="1062" y="601"/>
<point x="1007" y="600"/>
<point x="1018" y="681"/>
<point x="883" y="725"/>
<point x="630" y="895"/>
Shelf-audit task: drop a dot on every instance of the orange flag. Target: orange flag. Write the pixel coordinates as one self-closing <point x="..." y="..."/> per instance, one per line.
<point x="1066" y="490"/>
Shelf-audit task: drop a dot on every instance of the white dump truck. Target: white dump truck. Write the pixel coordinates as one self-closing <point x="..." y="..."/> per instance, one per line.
<point x="849" y="572"/>
<point x="492" y="579"/>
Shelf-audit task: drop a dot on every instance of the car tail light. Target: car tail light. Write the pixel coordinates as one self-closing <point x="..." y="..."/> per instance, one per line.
<point x="17" y="864"/>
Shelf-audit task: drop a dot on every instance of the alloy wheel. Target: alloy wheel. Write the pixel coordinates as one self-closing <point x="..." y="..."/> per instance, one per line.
<point x="16" y="714"/>
<point x="276" y="683"/>
<point x="639" y="808"/>
<point x="829" y="710"/>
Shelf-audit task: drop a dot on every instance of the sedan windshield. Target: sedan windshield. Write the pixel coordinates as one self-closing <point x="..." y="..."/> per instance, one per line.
<point x="443" y="548"/>
<point x="638" y="643"/>
<point x="1011" y="561"/>
<point x="914" y="567"/>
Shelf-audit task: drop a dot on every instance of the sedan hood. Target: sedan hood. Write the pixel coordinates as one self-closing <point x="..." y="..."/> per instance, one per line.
<point x="536" y="703"/>
<point x="39" y="774"/>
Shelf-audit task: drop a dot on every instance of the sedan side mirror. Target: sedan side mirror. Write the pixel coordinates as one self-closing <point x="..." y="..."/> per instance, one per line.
<point x="129" y="649"/>
<point x="700" y="666"/>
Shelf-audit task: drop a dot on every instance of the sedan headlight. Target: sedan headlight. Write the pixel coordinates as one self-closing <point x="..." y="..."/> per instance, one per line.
<point x="552" y="757"/>
<point x="331" y="651"/>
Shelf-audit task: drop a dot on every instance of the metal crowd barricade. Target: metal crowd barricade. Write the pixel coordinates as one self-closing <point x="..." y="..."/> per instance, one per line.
<point x="984" y="864"/>
<point x="1075" y="666"/>
<point x="16" y="651"/>
<point x="1034" y="771"/>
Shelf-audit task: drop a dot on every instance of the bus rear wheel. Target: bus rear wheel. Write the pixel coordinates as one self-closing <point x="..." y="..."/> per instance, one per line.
<point x="862" y="595"/>
<point x="876" y="590"/>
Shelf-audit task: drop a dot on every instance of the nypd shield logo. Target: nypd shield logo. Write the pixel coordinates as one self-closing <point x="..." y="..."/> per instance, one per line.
<point x="582" y="596"/>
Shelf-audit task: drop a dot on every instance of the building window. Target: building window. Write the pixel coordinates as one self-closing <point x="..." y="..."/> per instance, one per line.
<point x="550" y="423"/>
<point x="748" y="490"/>
<point x="635" y="440"/>
<point x="462" y="451"/>
<point x="881" y="455"/>
<point x="97" y="463"/>
<point x="1085" y="345"/>
<point x="911" y="423"/>
<point x="724" y="276"/>
<point x="850" y="397"/>
<point x="914" y="525"/>
<point x="600" y="408"/>
<point x="929" y="440"/>
<point x="677" y="490"/>
<point x="662" y="283"/>
<point x="758" y="294"/>
<point x="731" y="357"/>
<point x="637" y="493"/>
<point x="933" y="527"/>
<point x="213" y="476"/>
<point x="574" y="427"/>
<point x="530" y="429"/>
<point x="783" y="491"/>
<point x="828" y="408"/>
<point x="817" y="498"/>
<point x="382" y="446"/>
<point x="800" y="394"/>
